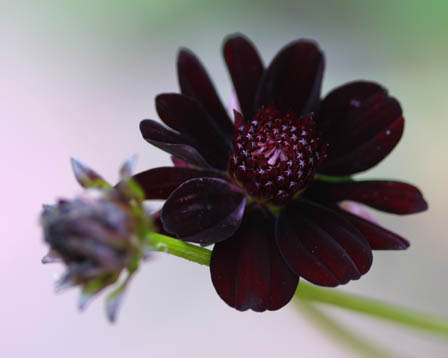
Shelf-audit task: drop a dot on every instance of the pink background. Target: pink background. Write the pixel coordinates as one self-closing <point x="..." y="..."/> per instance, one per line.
<point x="75" y="80"/>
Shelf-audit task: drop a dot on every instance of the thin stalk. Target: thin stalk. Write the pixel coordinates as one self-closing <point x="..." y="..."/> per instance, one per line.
<point x="341" y="334"/>
<point x="309" y="292"/>
<point x="374" y="308"/>
<point x="179" y="248"/>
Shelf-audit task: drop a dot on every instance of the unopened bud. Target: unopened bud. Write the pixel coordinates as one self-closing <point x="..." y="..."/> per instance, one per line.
<point x="98" y="235"/>
<point x="94" y="234"/>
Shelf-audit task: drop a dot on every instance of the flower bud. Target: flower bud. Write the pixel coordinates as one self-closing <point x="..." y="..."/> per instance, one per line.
<point x="97" y="235"/>
<point x="94" y="234"/>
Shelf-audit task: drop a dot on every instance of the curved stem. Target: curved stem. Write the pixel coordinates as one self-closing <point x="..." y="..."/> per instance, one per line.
<point x="373" y="308"/>
<point x="309" y="292"/>
<point x="343" y="335"/>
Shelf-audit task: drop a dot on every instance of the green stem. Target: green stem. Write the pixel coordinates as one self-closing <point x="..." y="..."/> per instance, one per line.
<point x="373" y="308"/>
<point x="342" y="335"/>
<point x="179" y="248"/>
<point x="309" y="292"/>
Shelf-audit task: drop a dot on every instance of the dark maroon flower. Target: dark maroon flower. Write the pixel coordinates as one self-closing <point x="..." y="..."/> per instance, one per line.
<point x="266" y="189"/>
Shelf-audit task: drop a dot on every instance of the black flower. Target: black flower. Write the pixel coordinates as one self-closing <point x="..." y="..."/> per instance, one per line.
<point x="266" y="190"/>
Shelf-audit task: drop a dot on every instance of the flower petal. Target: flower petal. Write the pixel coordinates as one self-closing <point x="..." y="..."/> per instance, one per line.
<point x="378" y="237"/>
<point x="356" y="209"/>
<point x="204" y="210"/>
<point x="158" y="225"/>
<point x="247" y="269"/>
<point x="389" y="196"/>
<point x="362" y="124"/>
<point x="195" y="82"/>
<point x="246" y="69"/>
<point x="187" y="116"/>
<point x="293" y="79"/>
<point x="87" y="177"/>
<point x="180" y="163"/>
<point x="320" y="245"/>
<point x="171" y="142"/>
<point x="159" y="183"/>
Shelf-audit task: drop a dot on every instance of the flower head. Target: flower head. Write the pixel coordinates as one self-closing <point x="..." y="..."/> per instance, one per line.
<point x="275" y="157"/>
<point x="266" y="189"/>
<point x="96" y="235"/>
<point x="93" y="234"/>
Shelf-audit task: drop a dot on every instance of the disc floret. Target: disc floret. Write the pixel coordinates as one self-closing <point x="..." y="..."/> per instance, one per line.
<point x="275" y="156"/>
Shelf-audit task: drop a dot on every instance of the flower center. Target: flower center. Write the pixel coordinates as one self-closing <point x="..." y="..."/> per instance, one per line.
<point x="275" y="157"/>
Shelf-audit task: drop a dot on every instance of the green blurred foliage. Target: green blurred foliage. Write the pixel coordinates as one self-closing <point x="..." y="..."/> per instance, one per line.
<point x="421" y="20"/>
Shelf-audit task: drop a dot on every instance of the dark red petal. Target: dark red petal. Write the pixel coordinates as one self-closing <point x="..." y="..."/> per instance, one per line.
<point x="158" y="225"/>
<point x="389" y="196"/>
<point x="171" y="142"/>
<point x="195" y="82"/>
<point x="183" y="151"/>
<point x="189" y="118"/>
<point x="367" y="155"/>
<point x="246" y="69"/>
<point x="293" y="79"/>
<point x="378" y="237"/>
<point x="159" y="183"/>
<point x="247" y="269"/>
<point x="361" y="124"/>
<point x="320" y="245"/>
<point x="151" y="130"/>
<point x="204" y="210"/>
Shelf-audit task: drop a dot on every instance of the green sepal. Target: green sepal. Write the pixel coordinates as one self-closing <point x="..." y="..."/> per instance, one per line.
<point x="87" y="177"/>
<point x="114" y="299"/>
<point x="90" y="289"/>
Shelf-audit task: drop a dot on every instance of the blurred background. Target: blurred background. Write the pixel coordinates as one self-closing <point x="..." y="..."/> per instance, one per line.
<point x="76" y="77"/>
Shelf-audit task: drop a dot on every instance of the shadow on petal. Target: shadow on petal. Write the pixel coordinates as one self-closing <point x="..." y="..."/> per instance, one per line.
<point x="159" y="183"/>
<point x="188" y="116"/>
<point x="320" y="245"/>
